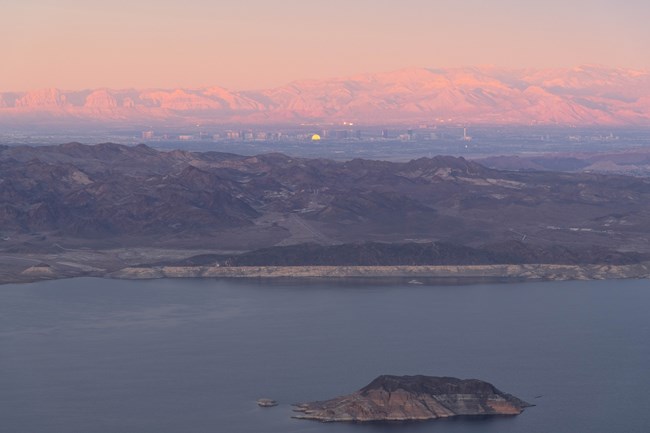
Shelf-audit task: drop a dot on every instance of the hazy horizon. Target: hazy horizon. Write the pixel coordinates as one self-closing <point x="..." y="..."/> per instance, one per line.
<point x="75" y="45"/>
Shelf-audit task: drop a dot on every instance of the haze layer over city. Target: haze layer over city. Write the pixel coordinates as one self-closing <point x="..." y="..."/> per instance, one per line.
<point x="371" y="79"/>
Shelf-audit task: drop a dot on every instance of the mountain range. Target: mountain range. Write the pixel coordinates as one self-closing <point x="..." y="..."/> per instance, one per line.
<point x="74" y="209"/>
<point x="112" y="195"/>
<point x="584" y="95"/>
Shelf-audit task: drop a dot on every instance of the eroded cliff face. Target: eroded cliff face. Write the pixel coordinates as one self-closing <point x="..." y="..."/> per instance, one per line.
<point x="410" y="398"/>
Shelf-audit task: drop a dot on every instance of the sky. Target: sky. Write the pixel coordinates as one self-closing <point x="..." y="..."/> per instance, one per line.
<point x="254" y="44"/>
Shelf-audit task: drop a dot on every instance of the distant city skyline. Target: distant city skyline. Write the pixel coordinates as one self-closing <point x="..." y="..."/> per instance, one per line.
<point x="75" y="44"/>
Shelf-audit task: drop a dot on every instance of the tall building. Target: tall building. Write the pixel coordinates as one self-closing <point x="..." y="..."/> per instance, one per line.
<point x="465" y="136"/>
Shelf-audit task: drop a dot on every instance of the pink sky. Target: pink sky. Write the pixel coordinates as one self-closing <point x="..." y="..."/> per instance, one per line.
<point x="247" y="44"/>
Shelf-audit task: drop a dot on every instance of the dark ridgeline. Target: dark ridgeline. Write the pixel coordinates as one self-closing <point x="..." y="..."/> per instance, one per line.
<point x="414" y="254"/>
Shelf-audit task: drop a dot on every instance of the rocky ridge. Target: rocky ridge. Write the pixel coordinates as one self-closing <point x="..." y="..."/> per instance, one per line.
<point x="114" y="195"/>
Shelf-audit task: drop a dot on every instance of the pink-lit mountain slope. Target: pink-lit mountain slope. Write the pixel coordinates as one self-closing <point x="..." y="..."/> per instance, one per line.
<point x="586" y="95"/>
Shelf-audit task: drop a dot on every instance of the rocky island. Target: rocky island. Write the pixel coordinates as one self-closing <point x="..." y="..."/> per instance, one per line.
<point x="266" y="402"/>
<point x="411" y="398"/>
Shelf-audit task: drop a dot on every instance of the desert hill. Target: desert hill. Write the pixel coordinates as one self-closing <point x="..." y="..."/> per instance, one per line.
<point x="111" y="194"/>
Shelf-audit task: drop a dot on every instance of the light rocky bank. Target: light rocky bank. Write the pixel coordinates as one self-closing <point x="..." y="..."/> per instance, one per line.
<point x="522" y="272"/>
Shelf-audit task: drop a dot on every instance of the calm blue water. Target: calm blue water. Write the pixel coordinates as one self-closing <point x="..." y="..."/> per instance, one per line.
<point x="190" y="356"/>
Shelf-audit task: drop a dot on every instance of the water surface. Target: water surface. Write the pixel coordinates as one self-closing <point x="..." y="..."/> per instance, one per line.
<point x="189" y="356"/>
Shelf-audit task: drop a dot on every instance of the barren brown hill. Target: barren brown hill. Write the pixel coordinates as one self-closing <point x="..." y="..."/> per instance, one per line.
<point x="111" y="195"/>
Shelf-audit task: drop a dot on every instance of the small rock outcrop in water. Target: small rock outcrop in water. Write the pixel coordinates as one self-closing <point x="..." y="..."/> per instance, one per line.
<point x="410" y="398"/>
<point x="266" y="402"/>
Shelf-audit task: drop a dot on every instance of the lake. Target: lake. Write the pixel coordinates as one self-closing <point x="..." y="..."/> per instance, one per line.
<point x="192" y="356"/>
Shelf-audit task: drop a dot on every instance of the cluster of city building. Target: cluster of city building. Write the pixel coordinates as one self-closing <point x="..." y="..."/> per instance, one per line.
<point x="313" y="134"/>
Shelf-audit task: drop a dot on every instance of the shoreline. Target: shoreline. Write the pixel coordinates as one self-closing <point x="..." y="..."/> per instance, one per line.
<point x="427" y="274"/>
<point x="535" y="272"/>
